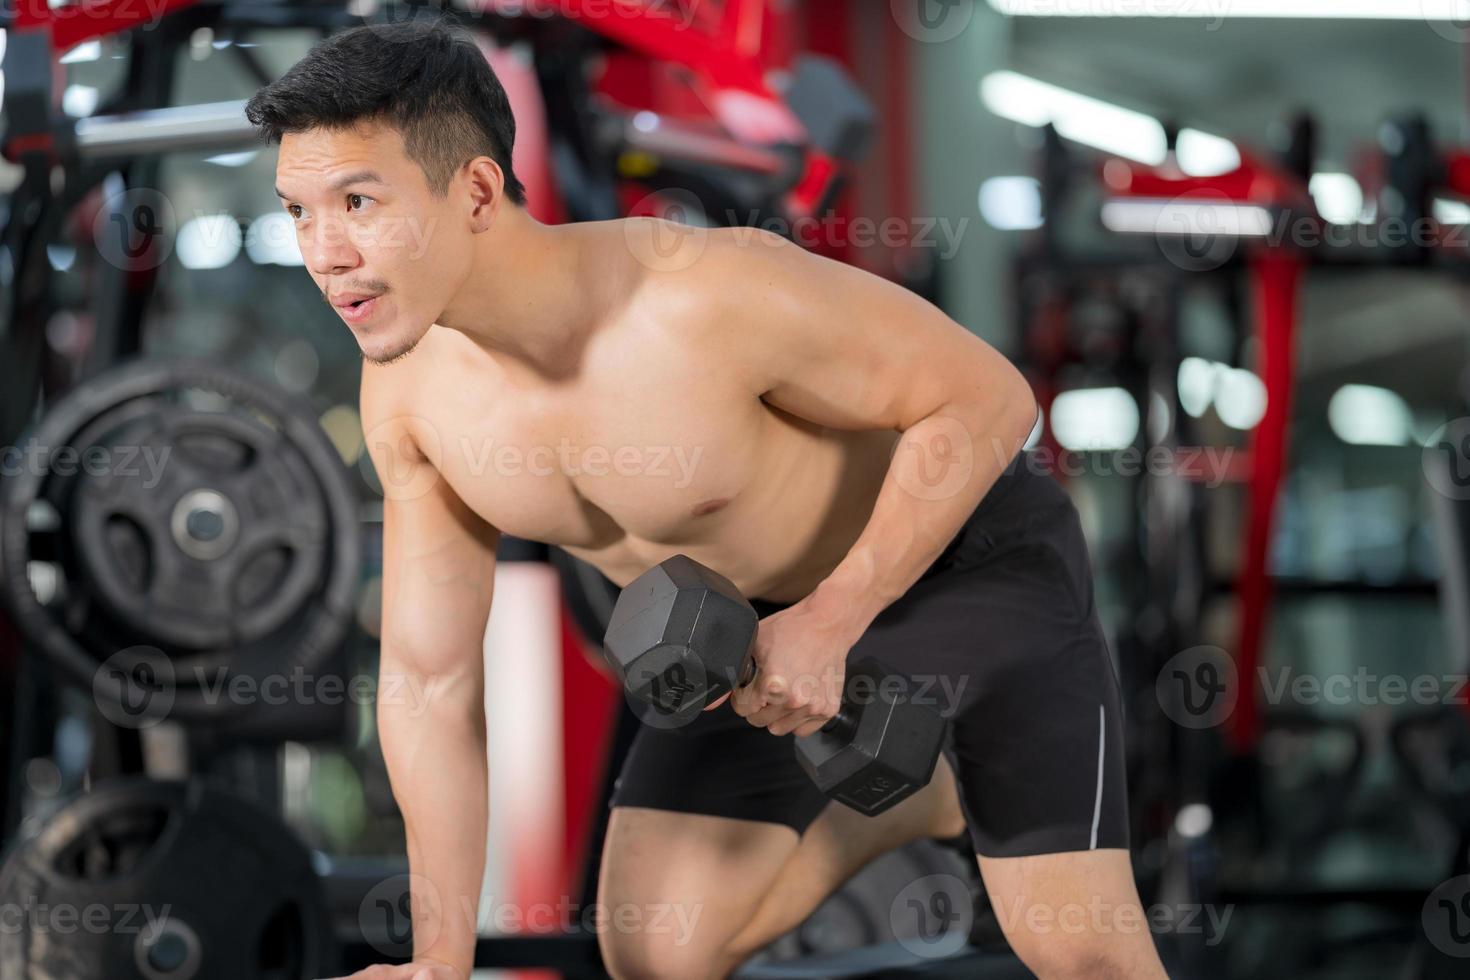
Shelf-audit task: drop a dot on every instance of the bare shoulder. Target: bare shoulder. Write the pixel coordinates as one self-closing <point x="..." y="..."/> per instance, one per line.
<point x="669" y="248"/>
<point x="699" y="285"/>
<point x="807" y="331"/>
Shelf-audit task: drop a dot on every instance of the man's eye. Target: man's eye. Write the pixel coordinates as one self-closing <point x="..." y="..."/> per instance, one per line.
<point x="294" y="210"/>
<point x="355" y="200"/>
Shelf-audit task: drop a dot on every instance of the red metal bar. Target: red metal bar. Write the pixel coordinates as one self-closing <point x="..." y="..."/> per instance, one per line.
<point x="1276" y="271"/>
<point x="1253" y="182"/>
<point x="1276" y="275"/>
<point x="591" y="707"/>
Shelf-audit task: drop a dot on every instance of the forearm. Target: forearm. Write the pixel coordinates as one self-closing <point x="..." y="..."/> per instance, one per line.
<point x="941" y="468"/>
<point x="434" y="746"/>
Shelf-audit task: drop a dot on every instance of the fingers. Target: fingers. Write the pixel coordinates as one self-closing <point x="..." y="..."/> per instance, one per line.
<point x="768" y="716"/>
<point x="774" y="703"/>
<point x="801" y="718"/>
<point x="758" y="694"/>
<point x="789" y="722"/>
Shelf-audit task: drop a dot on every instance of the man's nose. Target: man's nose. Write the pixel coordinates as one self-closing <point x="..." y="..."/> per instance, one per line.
<point x="327" y="248"/>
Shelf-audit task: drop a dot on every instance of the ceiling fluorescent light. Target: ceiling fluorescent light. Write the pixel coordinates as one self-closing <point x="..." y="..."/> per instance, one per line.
<point x="1186" y="217"/>
<point x="1080" y="118"/>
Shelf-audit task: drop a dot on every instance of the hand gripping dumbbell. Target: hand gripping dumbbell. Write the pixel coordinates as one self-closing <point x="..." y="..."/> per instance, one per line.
<point x="681" y="636"/>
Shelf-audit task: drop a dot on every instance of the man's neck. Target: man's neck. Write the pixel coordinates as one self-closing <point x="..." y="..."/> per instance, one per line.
<point x="526" y="297"/>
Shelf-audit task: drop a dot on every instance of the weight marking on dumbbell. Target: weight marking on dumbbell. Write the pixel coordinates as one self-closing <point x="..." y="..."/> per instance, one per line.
<point x="871" y="794"/>
<point x="670" y="688"/>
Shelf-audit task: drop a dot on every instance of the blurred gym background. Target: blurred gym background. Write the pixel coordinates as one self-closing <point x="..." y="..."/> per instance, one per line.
<point x="1225" y="239"/>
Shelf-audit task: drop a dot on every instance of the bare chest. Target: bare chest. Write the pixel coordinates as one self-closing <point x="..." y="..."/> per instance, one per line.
<point x="584" y="468"/>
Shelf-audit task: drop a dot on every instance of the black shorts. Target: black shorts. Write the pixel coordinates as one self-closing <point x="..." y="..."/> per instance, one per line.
<point x="1004" y="630"/>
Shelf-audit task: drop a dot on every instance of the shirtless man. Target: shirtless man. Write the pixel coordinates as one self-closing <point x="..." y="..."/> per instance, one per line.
<point x="855" y="455"/>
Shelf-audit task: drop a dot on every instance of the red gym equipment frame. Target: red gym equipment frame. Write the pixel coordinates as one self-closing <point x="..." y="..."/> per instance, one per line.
<point x="1276" y="268"/>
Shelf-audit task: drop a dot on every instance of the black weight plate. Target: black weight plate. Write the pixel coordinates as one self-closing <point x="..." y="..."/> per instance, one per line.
<point x="277" y="600"/>
<point x="186" y="581"/>
<point x="144" y="880"/>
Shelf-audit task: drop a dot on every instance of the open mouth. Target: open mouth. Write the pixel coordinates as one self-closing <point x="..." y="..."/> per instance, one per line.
<point x="359" y="310"/>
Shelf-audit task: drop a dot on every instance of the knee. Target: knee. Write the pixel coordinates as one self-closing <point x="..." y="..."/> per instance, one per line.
<point x="631" y="956"/>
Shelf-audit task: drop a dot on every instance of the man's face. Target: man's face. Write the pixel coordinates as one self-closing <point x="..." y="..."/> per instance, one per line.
<point x="382" y="249"/>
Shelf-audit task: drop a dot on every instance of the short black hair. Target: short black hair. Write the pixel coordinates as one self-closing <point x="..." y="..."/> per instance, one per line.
<point x="427" y="79"/>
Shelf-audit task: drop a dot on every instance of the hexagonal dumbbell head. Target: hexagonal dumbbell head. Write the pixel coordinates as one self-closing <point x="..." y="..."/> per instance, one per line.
<point x="880" y="749"/>
<point x="680" y="637"/>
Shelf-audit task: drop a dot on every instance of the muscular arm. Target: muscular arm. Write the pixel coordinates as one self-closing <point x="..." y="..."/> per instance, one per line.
<point x="843" y="348"/>
<point x="438" y="569"/>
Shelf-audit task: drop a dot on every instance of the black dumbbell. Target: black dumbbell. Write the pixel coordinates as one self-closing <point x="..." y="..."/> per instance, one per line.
<point x="681" y="636"/>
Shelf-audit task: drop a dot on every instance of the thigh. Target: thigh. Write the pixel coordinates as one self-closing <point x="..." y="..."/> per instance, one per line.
<point x="1073" y="914"/>
<point x="675" y="888"/>
<point x="1040" y="754"/>
<point x="1009" y="646"/>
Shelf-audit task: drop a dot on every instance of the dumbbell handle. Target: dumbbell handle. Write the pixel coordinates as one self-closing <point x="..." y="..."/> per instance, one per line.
<point x="843" y="724"/>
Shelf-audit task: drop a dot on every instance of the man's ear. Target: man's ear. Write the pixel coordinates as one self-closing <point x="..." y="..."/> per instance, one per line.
<point x="487" y="188"/>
